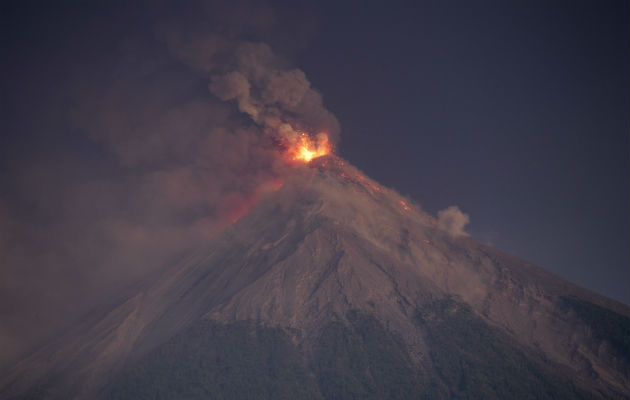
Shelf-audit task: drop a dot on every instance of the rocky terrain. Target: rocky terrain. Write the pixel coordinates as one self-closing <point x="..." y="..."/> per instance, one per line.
<point x="336" y="287"/>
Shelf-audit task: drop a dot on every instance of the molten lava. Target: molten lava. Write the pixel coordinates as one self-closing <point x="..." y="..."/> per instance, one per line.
<point x="303" y="147"/>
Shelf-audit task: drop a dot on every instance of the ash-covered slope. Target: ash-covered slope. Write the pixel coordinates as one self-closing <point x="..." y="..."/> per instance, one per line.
<point x="333" y="260"/>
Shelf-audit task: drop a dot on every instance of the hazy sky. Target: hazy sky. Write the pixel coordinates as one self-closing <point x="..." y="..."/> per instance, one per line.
<point x="134" y="131"/>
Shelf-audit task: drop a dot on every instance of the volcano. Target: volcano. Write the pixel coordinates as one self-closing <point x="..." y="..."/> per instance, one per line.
<point x="335" y="287"/>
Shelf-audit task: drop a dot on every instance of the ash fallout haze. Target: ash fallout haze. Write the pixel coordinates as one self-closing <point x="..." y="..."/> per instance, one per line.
<point x="188" y="172"/>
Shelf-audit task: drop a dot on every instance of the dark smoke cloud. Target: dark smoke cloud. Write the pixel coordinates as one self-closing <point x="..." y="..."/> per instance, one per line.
<point x="281" y="101"/>
<point x="134" y="136"/>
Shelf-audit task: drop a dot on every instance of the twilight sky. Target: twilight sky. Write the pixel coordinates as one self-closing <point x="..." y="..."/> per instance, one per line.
<point x="134" y="131"/>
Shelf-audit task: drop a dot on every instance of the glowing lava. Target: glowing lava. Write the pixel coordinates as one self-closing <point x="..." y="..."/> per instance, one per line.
<point x="303" y="147"/>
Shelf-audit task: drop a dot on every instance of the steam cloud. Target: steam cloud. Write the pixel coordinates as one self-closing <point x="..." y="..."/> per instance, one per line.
<point x="453" y="220"/>
<point x="153" y="140"/>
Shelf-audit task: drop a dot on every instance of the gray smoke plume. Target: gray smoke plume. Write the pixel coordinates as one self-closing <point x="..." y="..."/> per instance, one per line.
<point x="150" y="128"/>
<point x="281" y="101"/>
<point x="453" y="220"/>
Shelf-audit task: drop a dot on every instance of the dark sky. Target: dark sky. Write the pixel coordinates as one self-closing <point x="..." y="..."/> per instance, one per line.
<point x="133" y="131"/>
<point x="516" y="111"/>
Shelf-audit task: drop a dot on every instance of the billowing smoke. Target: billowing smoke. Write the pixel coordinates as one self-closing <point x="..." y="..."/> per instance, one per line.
<point x="133" y="135"/>
<point x="282" y="101"/>
<point x="453" y="220"/>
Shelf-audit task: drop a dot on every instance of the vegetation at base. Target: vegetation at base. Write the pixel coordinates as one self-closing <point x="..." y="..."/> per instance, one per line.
<point x="604" y="323"/>
<point x="358" y="359"/>
<point x="216" y="361"/>
<point x="477" y="361"/>
<point x="363" y="360"/>
<point x="353" y="358"/>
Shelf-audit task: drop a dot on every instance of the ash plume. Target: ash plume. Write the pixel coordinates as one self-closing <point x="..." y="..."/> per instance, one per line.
<point x="453" y="220"/>
<point x="281" y="101"/>
<point x="147" y="140"/>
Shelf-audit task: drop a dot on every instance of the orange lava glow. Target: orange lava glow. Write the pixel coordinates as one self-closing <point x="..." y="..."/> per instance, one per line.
<point x="303" y="147"/>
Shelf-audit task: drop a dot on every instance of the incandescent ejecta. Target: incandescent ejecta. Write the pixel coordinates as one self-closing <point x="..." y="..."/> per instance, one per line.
<point x="177" y="222"/>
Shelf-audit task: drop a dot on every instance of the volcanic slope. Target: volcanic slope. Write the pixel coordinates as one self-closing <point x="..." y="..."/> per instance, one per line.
<point x="336" y="287"/>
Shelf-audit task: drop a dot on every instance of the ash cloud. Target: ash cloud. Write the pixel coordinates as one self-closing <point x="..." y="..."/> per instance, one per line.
<point x="281" y="101"/>
<point x="453" y="221"/>
<point x="133" y="136"/>
<point x="276" y="96"/>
